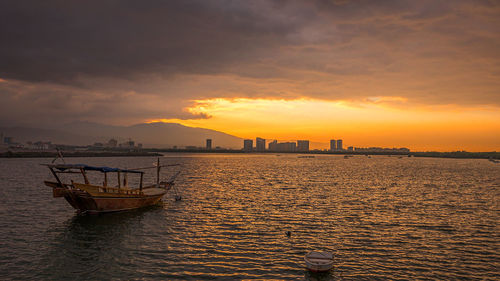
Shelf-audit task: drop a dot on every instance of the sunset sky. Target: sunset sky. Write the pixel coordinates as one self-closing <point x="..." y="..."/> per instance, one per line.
<point x="418" y="74"/>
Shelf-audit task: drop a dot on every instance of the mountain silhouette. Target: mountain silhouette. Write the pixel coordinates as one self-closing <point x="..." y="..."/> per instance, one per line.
<point x="158" y="134"/>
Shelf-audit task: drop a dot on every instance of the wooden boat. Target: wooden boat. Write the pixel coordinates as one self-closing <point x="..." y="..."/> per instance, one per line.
<point x="95" y="199"/>
<point x="319" y="261"/>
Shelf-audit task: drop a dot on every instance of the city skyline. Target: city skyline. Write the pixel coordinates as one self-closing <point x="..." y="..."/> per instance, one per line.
<point x="10" y="142"/>
<point x="303" y="146"/>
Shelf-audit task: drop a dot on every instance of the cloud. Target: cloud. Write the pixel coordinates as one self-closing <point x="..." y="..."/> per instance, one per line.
<point x="58" y="41"/>
<point x="43" y="104"/>
<point x="128" y="61"/>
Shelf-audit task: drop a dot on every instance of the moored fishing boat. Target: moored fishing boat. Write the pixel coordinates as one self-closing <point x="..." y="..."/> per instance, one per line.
<point x="319" y="261"/>
<point x="94" y="199"/>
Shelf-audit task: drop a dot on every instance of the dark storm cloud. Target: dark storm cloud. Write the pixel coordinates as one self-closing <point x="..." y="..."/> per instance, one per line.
<point x="60" y="40"/>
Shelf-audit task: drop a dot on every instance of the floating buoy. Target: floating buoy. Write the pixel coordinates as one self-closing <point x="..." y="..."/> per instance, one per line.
<point x="288" y="233"/>
<point x="178" y="197"/>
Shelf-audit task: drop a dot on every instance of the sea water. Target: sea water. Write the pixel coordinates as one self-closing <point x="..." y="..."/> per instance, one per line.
<point x="382" y="217"/>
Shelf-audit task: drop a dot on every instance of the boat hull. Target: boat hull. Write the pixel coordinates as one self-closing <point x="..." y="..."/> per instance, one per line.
<point x="319" y="261"/>
<point x="314" y="267"/>
<point x="94" y="205"/>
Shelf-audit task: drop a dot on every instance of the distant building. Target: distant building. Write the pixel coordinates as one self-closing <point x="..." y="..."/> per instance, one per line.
<point x="286" y="147"/>
<point x="339" y="145"/>
<point x="273" y="146"/>
<point x="41" y="145"/>
<point x="382" y="150"/>
<point x="303" y="145"/>
<point x="209" y="144"/>
<point x="112" y="143"/>
<point x="282" y="146"/>
<point x="248" y="145"/>
<point x="350" y="148"/>
<point x="139" y="145"/>
<point x="260" y="144"/>
<point x="333" y="145"/>
<point x="8" y="140"/>
<point x="128" y="144"/>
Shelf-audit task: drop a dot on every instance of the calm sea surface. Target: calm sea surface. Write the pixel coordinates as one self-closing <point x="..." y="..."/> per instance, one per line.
<point x="382" y="217"/>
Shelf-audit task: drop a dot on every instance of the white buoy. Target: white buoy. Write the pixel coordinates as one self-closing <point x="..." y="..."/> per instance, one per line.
<point x="319" y="261"/>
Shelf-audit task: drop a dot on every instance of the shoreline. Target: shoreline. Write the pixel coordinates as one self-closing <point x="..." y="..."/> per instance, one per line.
<point x="159" y="152"/>
<point x="46" y="154"/>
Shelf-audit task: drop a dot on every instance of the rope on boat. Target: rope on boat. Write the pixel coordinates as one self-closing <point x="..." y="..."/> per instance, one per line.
<point x="178" y="197"/>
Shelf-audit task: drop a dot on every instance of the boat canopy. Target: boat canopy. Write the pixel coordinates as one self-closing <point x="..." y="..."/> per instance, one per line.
<point x="63" y="167"/>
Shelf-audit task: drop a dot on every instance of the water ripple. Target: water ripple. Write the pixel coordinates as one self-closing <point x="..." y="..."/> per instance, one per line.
<point x="384" y="218"/>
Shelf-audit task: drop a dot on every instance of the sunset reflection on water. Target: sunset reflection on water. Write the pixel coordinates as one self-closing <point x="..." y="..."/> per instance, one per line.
<point x="382" y="217"/>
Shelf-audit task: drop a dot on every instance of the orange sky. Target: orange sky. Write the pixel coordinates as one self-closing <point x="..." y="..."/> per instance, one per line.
<point x="359" y="124"/>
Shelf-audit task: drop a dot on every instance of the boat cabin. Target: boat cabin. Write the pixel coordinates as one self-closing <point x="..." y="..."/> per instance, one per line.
<point x="121" y="178"/>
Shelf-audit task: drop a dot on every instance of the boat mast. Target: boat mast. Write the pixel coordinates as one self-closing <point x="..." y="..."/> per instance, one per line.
<point x="84" y="176"/>
<point x="57" y="177"/>
<point x="158" y="172"/>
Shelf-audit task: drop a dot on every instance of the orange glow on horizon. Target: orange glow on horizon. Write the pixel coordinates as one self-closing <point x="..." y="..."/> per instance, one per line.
<point x="377" y="121"/>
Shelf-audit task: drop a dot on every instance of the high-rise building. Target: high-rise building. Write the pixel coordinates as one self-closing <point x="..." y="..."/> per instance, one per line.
<point x="273" y="146"/>
<point x="248" y="145"/>
<point x="260" y="144"/>
<point x="209" y="144"/>
<point x="339" y="145"/>
<point x="333" y="145"/>
<point x="282" y="146"/>
<point x="303" y="145"/>
<point x="286" y="147"/>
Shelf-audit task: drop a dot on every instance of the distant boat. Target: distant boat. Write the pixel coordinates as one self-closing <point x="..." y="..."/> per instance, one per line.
<point x="319" y="261"/>
<point x="305" y="156"/>
<point x="346" y="156"/>
<point x="95" y="199"/>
